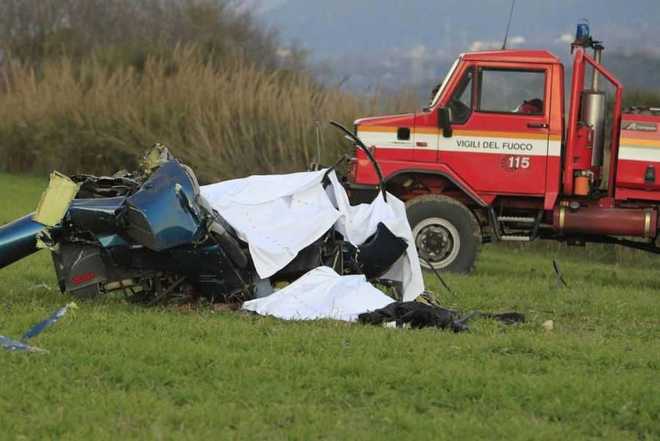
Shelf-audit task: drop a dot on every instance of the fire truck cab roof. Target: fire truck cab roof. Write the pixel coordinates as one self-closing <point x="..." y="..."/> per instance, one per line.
<point x="513" y="55"/>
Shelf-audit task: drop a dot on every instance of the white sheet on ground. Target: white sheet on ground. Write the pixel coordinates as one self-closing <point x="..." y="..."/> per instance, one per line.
<point x="279" y="215"/>
<point x="321" y="294"/>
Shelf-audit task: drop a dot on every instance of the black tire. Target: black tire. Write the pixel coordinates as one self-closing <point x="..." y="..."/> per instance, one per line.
<point x="446" y="233"/>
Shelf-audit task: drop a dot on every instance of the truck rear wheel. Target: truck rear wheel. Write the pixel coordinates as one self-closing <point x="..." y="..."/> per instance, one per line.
<point x="446" y="233"/>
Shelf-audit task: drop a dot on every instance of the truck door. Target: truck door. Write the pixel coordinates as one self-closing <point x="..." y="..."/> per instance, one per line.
<point x="500" y="121"/>
<point x="427" y="137"/>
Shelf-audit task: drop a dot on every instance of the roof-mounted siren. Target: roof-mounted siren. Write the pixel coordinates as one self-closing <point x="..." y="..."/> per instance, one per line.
<point x="582" y="34"/>
<point x="593" y="100"/>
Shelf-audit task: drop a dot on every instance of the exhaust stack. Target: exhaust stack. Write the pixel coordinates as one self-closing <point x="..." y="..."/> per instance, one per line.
<point x="593" y="111"/>
<point x="593" y="103"/>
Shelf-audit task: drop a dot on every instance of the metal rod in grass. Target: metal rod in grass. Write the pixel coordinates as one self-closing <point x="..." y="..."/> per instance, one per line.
<point x="560" y="276"/>
<point x="437" y="274"/>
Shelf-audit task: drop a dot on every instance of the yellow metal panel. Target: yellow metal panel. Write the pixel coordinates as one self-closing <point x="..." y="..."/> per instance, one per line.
<point x="55" y="200"/>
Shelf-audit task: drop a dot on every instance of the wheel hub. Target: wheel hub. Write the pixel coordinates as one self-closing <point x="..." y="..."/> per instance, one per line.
<point x="438" y="242"/>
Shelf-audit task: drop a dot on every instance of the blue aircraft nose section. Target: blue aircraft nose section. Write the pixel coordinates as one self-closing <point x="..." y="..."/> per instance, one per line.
<point x="162" y="214"/>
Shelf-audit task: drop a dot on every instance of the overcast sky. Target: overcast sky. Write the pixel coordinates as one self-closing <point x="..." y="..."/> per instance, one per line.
<point x="423" y="33"/>
<point x="336" y="26"/>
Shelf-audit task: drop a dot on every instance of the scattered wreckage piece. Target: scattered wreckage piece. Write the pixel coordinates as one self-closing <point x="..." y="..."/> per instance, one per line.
<point x="12" y="345"/>
<point x="422" y="315"/>
<point x="437" y="275"/>
<point x="560" y="276"/>
<point x="51" y="320"/>
<point x="416" y="314"/>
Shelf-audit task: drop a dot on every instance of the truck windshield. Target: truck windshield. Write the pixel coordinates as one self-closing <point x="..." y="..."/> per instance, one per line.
<point x="437" y="91"/>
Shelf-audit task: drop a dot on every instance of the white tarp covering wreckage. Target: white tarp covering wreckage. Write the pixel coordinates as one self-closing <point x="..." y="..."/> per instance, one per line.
<point x="280" y="215"/>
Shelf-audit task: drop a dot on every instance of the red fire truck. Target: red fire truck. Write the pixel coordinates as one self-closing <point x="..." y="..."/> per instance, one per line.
<point x="495" y="156"/>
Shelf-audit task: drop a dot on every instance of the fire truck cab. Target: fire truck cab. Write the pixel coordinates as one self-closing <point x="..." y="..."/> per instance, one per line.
<point x="497" y="156"/>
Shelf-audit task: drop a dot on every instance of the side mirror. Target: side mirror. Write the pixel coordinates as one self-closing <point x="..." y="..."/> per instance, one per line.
<point x="444" y="121"/>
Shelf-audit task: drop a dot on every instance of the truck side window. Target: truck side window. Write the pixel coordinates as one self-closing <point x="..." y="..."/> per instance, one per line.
<point x="511" y="91"/>
<point x="461" y="100"/>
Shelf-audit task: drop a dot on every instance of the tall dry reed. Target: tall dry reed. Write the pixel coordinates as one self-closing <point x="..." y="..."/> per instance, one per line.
<point x="224" y="121"/>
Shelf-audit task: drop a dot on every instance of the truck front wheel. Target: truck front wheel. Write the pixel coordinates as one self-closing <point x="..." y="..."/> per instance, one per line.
<point x="446" y="233"/>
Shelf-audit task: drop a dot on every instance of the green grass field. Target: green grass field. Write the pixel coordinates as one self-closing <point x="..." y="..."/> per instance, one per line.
<point x="119" y="371"/>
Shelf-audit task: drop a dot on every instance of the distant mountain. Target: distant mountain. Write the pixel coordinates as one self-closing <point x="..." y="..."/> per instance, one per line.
<point x="394" y="72"/>
<point x="389" y="44"/>
<point x="341" y="27"/>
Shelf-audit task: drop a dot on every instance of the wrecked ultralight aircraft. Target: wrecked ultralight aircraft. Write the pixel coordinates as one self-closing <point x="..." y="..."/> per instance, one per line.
<point x="156" y="235"/>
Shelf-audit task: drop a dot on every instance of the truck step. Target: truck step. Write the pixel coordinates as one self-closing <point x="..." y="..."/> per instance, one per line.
<point x="521" y="220"/>
<point x="515" y="238"/>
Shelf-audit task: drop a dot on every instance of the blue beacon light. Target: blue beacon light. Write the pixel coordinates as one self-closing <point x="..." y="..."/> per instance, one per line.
<point x="582" y="32"/>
